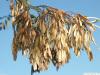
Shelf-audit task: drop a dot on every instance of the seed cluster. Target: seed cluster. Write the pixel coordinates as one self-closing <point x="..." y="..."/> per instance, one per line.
<point x="49" y="36"/>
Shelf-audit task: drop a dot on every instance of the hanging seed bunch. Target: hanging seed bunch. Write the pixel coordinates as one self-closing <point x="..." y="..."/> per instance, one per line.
<point x="49" y="36"/>
<point x="24" y="34"/>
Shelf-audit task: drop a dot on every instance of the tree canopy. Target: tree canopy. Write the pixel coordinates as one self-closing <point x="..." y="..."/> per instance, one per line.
<point x="49" y="35"/>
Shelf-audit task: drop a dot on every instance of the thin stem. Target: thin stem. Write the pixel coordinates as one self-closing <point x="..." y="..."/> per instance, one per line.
<point x="93" y="18"/>
<point x="43" y="6"/>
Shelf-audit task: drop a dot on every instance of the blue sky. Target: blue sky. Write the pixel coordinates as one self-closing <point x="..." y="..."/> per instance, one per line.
<point x="76" y="65"/>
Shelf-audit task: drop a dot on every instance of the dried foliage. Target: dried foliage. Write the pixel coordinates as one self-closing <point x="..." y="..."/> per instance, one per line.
<point x="50" y="35"/>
